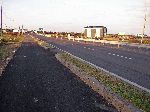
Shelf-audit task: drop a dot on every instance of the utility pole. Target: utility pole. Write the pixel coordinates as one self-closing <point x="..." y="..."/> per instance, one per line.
<point x="143" y="32"/>
<point x="1" y="21"/>
<point x="22" y="29"/>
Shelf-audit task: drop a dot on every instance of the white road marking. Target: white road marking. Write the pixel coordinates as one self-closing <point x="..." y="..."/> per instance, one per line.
<point x="88" y="48"/>
<point x="120" y="56"/>
<point x="84" y="47"/>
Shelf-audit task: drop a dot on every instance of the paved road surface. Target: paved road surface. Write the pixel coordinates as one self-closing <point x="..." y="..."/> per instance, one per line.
<point x="133" y="65"/>
<point x="35" y="81"/>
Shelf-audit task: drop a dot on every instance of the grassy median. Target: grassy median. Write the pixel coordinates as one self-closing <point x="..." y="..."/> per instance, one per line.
<point x="138" y="98"/>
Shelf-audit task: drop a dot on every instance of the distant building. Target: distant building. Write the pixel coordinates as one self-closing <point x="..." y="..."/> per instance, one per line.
<point x="15" y="31"/>
<point x="95" y="31"/>
<point x="25" y="30"/>
<point x="121" y="33"/>
<point x="41" y="30"/>
<point x="141" y="35"/>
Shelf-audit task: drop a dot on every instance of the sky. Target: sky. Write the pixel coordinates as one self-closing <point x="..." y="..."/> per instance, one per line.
<point x="73" y="15"/>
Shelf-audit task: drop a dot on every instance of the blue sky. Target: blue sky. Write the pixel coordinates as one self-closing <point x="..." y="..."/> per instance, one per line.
<point x="72" y="15"/>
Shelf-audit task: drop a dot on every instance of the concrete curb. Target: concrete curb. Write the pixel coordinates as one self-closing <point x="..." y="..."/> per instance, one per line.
<point x="114" y="99"/>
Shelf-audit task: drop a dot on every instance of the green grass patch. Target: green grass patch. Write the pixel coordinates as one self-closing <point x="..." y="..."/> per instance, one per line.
<point x="138" y="98"/>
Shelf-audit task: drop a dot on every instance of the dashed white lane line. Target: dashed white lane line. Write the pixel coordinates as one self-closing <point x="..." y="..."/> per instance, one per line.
<point x="119" y="56"/>
<point x="89" y="48"/>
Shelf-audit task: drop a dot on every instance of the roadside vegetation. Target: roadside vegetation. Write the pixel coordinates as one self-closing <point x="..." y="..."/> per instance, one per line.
<point x="137" y="97"/>
<point x="11" y="38"/>
<point x="3" y="52"/>
<point x="8" y="45"/>
<point x="6" y="41"/>
<point x="127" y="38"/>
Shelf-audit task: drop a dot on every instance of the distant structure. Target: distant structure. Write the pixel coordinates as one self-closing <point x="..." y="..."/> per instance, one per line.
<point x="95" y="31"/>
<point x="41" y="30"/>
<point x="121" y="33"/>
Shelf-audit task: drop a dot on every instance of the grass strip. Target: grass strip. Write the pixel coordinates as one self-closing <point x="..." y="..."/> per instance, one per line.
<point x="3" y="52"/>
<point x="42" y="43"/>
<point x="138" y="98"/>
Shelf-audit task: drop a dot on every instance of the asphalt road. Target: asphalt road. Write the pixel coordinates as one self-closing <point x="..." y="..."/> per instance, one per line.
<point x="128" y="62"/>
<point x="34" y="81"/>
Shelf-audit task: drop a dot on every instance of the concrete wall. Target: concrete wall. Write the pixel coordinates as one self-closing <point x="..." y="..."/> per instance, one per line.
<point x="93" y="33"/>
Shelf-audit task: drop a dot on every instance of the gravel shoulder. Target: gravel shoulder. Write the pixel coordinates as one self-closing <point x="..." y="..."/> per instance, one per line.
<point x="34" y="81"/>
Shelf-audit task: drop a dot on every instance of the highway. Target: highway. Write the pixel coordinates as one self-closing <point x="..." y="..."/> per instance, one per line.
<point x="133" y="66"/>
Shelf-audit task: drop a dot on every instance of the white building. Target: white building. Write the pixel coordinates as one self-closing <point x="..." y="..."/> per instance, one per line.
<point x="15" y="31"/>
<point x="95" y="31"/>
